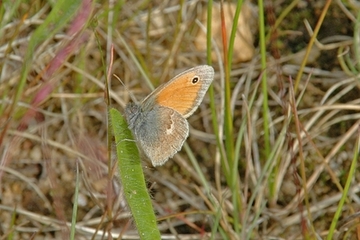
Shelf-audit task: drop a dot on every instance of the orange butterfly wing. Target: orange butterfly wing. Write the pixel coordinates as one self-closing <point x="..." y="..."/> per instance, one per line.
<point x="184" y="92"/>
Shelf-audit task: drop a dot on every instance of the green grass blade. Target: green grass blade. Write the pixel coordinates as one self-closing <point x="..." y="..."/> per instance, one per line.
<point x="211" y="89"/>
<point x="234" y="31"/>
<point x="12" y="224"/>
<point x="216" y="224"/>
<point x="132" y="178"/>
<point x="62" y="12"/>
<point x="234" y="183"/>
<point x="344" y="197"/>
<point x="262" y="44"/>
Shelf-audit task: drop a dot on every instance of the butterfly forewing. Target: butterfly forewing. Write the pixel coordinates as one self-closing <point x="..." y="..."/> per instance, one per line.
<point x="184" y="92"/>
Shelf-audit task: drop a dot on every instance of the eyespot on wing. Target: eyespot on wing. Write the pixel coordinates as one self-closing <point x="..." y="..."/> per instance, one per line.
<point x="185" y="92"/>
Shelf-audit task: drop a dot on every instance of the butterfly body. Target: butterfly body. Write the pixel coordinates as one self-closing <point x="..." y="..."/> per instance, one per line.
<point x="159" y="122"/>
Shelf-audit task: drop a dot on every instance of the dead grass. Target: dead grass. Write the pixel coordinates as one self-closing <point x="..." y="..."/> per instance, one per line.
<point x="40" y="149"/>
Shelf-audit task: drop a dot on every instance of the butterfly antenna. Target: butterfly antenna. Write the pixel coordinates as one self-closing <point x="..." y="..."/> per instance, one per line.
<point x="132" y="96"/>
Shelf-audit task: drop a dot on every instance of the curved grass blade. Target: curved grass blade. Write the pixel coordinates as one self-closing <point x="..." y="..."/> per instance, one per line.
<point x="132" y="178"/>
